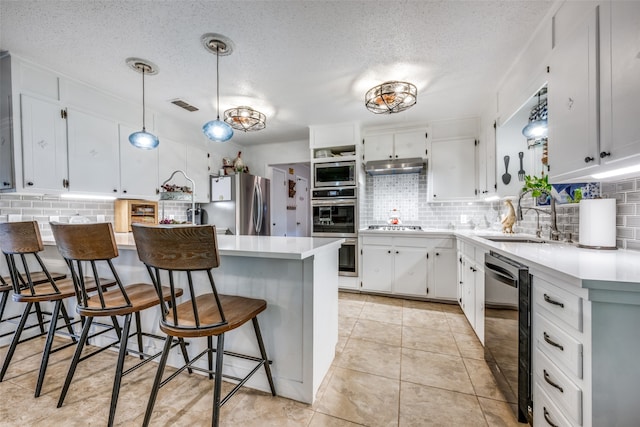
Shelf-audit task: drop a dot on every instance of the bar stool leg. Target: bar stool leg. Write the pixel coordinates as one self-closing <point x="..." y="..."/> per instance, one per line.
<point x="139" y="333"/>
<point x="40" y="318"/>
<point x="119" y="368"/>
<point x="15" y="340"/>
<point x="217" y="385"/>
<point x="183" y="348"/>
<point x="47" y="346"/>
<point x="157" y="381"/>
<point x="210" y="356"/>
<point x="76" y="359"/>
<point x="263" y="354"/>
<point x="67" y="320"/>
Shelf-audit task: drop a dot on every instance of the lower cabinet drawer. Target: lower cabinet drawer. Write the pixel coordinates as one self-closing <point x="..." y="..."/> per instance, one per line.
<point x="558" y="345"/>
<point x="566" y="306"/>
<point x="558" y="387"/>
<point x="545" y="412"/>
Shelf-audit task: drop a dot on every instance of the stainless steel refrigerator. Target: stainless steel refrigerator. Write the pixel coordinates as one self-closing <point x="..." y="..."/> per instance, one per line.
<point x="240" y="204"/>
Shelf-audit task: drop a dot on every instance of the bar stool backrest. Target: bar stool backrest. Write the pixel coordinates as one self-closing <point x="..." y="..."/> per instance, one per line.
<point x="20" y="242"/>
<point x="93" y="243"/>
<point x="188" y="249"/>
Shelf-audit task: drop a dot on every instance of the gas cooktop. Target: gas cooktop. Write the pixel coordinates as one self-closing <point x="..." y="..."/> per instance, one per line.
<point x="389" y="227"/>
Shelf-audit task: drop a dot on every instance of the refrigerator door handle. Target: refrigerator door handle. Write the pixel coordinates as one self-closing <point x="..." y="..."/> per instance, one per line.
<point x="257" y="214"/>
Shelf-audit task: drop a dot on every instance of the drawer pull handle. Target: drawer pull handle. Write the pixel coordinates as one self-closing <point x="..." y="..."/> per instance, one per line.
<point x="548" y="299"/>
<point x="547" y="378"/>
<point x="550" y="341"/>
<point x="547" y="419"/>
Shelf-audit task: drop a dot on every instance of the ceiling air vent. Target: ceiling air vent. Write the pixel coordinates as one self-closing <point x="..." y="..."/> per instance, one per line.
<point x="182" y="104"/>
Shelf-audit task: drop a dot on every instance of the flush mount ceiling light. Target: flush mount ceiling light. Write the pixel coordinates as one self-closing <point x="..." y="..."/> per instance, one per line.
<point x="537" y="129"/>
<point x="217" y="130"/>
<point x="391" y="97"/>
<point x="143" y="139"/>
<point x="245" y="119"/>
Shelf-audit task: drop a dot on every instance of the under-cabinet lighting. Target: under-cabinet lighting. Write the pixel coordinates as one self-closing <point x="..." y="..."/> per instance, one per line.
<point x="492" y="198"/>
<point x="617" y="172"/>
<point x="86" y="197"/>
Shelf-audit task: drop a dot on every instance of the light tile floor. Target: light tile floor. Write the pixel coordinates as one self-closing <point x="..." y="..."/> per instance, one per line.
<point x="398" y="363"/>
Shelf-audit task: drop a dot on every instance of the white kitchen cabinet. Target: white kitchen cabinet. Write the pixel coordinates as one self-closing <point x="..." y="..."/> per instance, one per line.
<point x="138" y="168"/>
<point x="487" y="178"/>
<point x="396" y="145"/>
<point x="377" y="267"/>
<point x="417" y="266"/>
<point x="198" y="170"/>
<point x="445" y="277"/>
<point x="7" y="170"/>
<point x="452" y="169"/>
<point x="44" y="145"/>
<point x="410" y="270"/>
<point x="93" y="153"/>
<point x="335" y="135"/>
<point x="573" y="101"/>
<point x="471" y="285"/>
<point x="620" y="100"/>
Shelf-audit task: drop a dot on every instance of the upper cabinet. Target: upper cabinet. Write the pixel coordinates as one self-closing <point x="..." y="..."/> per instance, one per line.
<point x="620" y="91"/>
<point x="396" y="145"/>
<point x="574" y="93"/>
<point x="44" y="144"/>
<point x="198" y="170"/>
<point x="335" y="135"/>
<point x="452" y="169"/>
<point x="93" y="153"/>
<point x="594" y="95"/>
<point x="7" y="173"/>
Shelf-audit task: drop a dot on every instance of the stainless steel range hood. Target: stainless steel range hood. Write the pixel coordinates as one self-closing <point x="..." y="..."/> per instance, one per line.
<point x="394" y="167"/>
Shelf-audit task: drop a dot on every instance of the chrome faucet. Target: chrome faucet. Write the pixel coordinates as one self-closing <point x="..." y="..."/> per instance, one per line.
<point x="554" y="234"/>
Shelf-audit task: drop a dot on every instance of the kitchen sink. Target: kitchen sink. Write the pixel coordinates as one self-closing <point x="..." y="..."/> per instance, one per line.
<point x="514" y="239"/>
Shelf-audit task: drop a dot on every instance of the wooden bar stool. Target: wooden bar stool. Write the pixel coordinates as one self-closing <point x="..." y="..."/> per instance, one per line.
<point x="94" y="244"/>
<point x="193" y="250"/>
<point x="21" y="242"/>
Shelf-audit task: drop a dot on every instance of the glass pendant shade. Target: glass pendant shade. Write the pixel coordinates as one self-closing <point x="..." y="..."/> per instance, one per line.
<point x="144" y="140"/>
<point x="536" y="129"/>
<point x="217" y="130"/>
<point x="391" y="97"/>
<point x="245" y="119"/>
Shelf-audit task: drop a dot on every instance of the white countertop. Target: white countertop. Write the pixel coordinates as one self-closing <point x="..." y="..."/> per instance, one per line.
<point x="587" y="265"/>
<point x="255" y="246"/>
<point x="590" y="266"/>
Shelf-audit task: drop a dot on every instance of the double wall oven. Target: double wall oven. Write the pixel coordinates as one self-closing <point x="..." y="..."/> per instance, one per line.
<point x="335" y="214"/>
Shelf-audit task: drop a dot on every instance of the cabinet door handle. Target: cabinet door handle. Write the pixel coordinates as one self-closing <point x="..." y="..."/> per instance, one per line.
<point x="397" y="252"/>
<point x="30" y="184"/>
<point x="547" y="419"/>
<point x="551" y="342"/>
<point x="604" y="154"/>
<point x="389" y="251"/>
<point x="548" y="299"/>
<point x="115" y="190"/>
<point x="547" y="378"/>
<point x="588" y="159"/>
<point x="437" y="253"/>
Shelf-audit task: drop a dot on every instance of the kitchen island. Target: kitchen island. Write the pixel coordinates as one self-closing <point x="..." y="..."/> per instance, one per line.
<point x="297" y="276"/>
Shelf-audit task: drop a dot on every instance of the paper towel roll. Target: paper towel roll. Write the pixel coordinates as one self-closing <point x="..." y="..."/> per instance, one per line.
<point x="598" y="223"/>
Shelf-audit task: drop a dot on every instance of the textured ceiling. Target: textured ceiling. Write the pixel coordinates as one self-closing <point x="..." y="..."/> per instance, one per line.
<point x="300" y="62"/>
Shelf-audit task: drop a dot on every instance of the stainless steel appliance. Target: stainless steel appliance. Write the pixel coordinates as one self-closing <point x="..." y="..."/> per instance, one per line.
<point x="507" y="335"/>
<point x="334" y="174"/>
<point x="247" y="210"/>
<point x="335" y="218"/>
<point x="335" y="214"/>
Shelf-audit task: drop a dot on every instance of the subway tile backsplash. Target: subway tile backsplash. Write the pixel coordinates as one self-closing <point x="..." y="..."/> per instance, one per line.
<point x="408" y="194"/>
<point x="27" y="207"/>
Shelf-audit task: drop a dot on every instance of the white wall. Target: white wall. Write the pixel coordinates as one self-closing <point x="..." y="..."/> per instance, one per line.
<point x="259" y="157"/>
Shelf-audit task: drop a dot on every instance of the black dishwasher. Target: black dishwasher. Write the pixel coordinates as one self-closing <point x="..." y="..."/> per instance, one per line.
<point x="507" y="336"/>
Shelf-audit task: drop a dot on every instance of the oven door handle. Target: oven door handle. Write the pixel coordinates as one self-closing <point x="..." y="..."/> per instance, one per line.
<point x="501" y="274"/>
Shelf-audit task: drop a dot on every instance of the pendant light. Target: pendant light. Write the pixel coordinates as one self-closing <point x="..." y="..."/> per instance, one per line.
<point x="391" y="97"/>
<point x="245" y="119"/>
<point x="217" y="130"/>
<point x="537" y="128"/>
<point x="143" y="139"/>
